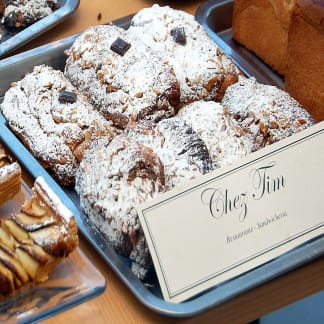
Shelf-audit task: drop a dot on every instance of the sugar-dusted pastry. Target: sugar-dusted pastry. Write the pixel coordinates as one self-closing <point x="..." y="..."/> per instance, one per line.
<point x="222" y="135"/>
<point x="53" y="120"/>
<point x="10" y="177"/>
<point x="125" y="80"/>
<point x="265" y="112"/>
<point x="204" y="72"/>
<point x="22" y="13"/>
<point x="182" y="152"/>
<point x="34" y="240"/>
<point x="112" y="179"/>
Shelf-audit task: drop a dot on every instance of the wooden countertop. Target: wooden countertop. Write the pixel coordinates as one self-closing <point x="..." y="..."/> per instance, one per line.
<point x="117" y="304"/>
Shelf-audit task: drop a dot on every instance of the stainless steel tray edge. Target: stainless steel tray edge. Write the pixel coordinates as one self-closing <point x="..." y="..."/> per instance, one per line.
<point x="14" y="68"/>
<point x="24" y="36"/>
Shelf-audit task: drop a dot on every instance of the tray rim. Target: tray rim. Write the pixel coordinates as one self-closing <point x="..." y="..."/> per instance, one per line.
<point x="39" y="27"/>
<point x="201" y="303"/>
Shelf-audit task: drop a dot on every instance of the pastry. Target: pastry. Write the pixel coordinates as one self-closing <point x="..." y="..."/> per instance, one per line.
<point x="262" y="26"/>
<point x="123" y="79"/>
<point x="304" y="76"/>
<point x="182" y="152"/>
<point x="53" y="120"/>
<point x="222" y="135"/>
<point x="10" y="177"/>
<point x="112" y="179"/>
<point x="204" y="72"/>
<point x="34" y="240"/>
<point x="266" y="113"/>
<point x="22" y="13"/>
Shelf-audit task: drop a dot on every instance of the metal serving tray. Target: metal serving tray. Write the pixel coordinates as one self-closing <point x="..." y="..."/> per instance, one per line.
<point x="14" y="68"/>
<point x="15" y="39"/>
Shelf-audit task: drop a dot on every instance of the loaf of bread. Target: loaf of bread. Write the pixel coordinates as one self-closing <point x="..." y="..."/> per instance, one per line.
<point x="35" y="240"/>
<point x="2" y="6"/>
<point x="305" y="69"/>
<point x="10" y="177"/>
<point x="262" y="26"/>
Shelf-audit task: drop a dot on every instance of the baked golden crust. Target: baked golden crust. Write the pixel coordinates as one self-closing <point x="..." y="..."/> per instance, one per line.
<point x="2" y="6"/>
<point x="305" y="70"/>
<point x="34" y="240"/>
<point x="262" y="27"/>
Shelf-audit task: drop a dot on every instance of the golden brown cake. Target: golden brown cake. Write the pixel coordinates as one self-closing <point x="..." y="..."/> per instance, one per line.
<point x="262" y="27"/>
<point x="10" y="177"/>
<point x="34" y="240"/>
<point x="2" y="6"/>
<point x="305" y="70"/>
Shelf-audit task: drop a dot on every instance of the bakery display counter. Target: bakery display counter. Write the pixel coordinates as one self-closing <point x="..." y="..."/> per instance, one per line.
<point x="124" y="300"/>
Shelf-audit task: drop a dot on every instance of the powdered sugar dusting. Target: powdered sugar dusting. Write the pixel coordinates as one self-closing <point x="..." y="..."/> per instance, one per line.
<point x="112" y="179"/>
<point x="183" y="154"/>
<point x="200" y="64"/>
<point x="267" y="113"/>
<point x="8" y="170"/>
<point x="56" y="133"/>
<point x="223" y="138"/>
<point x="137" y="84"/>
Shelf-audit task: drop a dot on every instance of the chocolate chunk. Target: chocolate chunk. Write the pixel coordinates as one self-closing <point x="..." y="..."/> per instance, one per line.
<point x="120" y="46"/>
<point x="67" y="97"/>
<point x="179" y="35"/>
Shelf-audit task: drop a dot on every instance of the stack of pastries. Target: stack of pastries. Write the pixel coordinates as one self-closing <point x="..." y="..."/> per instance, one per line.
<point x="140" y="111"/>
<point x="35" y="239"/>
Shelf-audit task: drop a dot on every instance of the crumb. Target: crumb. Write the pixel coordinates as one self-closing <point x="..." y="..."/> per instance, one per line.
<point x="99" y="16"/>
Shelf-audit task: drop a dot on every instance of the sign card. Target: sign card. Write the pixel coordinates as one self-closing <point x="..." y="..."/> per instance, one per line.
<point x="237" y="218"/>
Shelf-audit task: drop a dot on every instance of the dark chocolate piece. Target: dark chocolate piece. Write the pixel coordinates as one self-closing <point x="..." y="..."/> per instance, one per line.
<point x="67" y="97"/>
<point x="179" y="35"/>
<point x="120" y="46"/>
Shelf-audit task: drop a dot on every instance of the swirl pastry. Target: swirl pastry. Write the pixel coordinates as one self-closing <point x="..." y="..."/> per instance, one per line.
<point x="112" y="179"/>
<point x="265" y="112"/>
<point x="224" y="138"/>
<point x="204" y="72"/>
<point x="125" y="80"/>
<point x="53" y="120"/>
